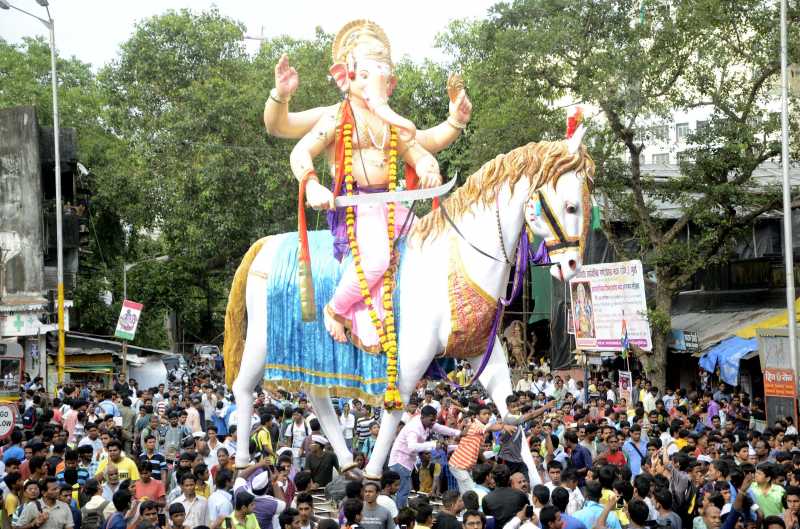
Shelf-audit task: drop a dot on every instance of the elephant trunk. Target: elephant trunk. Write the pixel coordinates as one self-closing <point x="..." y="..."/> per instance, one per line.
<point x="377" y="98"/>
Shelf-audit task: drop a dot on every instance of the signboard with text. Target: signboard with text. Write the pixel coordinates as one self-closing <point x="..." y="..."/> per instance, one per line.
<point x="779" y="382"/>
<point x="7" y="420"/>
<point x="608" y="302"/>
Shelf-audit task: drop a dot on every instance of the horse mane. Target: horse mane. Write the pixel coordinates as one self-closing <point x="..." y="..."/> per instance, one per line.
<point x="543" y="161"/>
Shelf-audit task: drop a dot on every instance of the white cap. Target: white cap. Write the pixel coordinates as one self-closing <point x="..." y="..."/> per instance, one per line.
<point x="261" y="481"/>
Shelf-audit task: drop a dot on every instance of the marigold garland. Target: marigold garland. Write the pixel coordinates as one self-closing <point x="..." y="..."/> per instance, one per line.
<point x="384" y="328"/>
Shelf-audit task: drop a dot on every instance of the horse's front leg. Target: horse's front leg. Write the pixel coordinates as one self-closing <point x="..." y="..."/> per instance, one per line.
<point x="326" y="415"/>
<point x="496" y="378"/>
<point x="413" y="358"/>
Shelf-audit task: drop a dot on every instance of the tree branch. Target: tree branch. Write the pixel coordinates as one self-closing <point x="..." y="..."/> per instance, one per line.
<point x="626" y="135"/>
<point x="768" y="72"/>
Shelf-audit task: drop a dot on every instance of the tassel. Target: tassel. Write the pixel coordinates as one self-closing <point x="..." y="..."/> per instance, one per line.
<point x="412" y="180"/>
<point x="308" y="306"/>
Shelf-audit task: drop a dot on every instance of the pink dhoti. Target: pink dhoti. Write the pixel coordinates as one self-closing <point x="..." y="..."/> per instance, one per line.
<point x="347" y="303"/>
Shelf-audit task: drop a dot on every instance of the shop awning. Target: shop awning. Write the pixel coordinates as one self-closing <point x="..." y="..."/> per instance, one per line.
<point x="778" y="320"/>
<point x="714" y="327"/>
<point x="727" y="355"/>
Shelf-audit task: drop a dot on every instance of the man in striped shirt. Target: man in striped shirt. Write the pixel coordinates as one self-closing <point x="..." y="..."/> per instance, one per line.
<point x="466" y="454"/>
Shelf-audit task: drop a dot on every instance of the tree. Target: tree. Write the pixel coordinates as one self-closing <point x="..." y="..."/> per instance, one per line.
<point x="635" y="62"/>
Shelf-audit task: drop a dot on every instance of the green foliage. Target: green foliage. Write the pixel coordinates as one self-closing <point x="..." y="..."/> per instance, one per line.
<point x="632" y="63"/>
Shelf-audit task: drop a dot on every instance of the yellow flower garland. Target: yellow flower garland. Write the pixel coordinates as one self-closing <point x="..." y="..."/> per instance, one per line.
<point x="385" y="328"/>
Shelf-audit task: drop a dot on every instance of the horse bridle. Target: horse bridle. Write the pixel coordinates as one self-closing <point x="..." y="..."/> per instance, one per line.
<point x="560" y="243"/>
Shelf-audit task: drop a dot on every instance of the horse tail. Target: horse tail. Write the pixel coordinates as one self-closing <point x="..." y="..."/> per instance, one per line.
<point x="236" y="315"/>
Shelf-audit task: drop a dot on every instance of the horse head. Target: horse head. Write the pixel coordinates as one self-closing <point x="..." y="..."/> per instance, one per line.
<point x="558" y="208"/>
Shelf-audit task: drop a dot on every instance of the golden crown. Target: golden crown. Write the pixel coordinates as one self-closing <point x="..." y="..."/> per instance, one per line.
<point x="364" y="34"/>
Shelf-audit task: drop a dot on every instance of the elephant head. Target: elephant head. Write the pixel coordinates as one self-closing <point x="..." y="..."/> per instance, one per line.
<point x="363" y="68"/>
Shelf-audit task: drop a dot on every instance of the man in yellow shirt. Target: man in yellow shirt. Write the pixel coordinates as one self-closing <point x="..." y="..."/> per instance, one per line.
<point x="127" y="468"/>
<point x="11" y="502"/>
<point x="263" y="439"/>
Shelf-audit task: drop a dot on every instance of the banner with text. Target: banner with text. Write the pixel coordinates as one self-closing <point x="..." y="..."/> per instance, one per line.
<point x="128" y="320"/>
<point x="609" y="305"/>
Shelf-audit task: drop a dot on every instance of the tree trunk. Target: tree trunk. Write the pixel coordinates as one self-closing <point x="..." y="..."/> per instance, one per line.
<point x="657" y="366"/>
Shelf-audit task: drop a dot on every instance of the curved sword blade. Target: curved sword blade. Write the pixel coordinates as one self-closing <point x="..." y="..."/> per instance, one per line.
<point x="395" y="196"/>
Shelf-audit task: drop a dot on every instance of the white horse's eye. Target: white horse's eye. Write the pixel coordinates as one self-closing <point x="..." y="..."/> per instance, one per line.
<point x="572" y="209"/>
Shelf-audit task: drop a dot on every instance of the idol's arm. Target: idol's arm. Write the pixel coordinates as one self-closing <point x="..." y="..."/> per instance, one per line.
<point x="281" y="123"/>
<point x="302" y="161"/>
<point x="438" y="138"/>
<point x="277" y="118"/>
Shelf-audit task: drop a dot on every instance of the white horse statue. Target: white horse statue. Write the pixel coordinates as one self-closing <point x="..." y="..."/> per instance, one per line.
<point x="457" y="251"/>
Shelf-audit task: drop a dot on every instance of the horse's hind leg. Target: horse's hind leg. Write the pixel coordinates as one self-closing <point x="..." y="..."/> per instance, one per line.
<point x="326" y="415"/>
<point x="251" y="371"/>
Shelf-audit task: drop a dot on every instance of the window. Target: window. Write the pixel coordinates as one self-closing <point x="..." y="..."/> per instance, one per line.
<point x="662" y="158"/>
<point x="681" y="131"/>
<point x="661" y="133"/>
<point x="701" y="125"/>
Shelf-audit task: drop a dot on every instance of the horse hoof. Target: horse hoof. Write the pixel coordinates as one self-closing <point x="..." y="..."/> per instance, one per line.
<point x="370" y="477"/>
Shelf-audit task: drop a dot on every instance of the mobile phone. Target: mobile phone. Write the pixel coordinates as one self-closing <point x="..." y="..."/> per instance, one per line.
<point x="529" y="511"/>
<point x="162" y="520"/>
<point x="620" y="503"/>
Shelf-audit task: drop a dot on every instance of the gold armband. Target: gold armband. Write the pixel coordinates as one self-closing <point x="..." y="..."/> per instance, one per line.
<point x="453" y="122"/>
<point x="273" y="94"/>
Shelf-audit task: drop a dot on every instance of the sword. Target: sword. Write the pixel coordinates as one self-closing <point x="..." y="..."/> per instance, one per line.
<point x="395" y="196"/>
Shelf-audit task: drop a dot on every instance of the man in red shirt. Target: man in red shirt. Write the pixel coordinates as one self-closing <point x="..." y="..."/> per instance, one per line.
<point x="469" y="447"/>
<point x="614" y="455"/>
<point x="148" y="488"/>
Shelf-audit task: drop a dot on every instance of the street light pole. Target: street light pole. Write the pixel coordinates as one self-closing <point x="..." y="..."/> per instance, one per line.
<point x="57" y="151"/>
<point x="788" y="250"/>
<point x="125" y="268"/>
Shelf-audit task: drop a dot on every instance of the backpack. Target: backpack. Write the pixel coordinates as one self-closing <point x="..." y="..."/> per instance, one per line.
<point x="29" y="418"/>
<point x="93" y="518"/>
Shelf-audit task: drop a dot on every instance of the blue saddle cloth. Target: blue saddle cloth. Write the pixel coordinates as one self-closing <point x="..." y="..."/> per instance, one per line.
<point x="302" y="354"/>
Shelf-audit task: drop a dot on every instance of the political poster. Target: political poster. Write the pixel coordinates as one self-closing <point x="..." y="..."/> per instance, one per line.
<point x="626" y="386"/>
<point x="609" y="308"/>
<point x="128" y="320"/>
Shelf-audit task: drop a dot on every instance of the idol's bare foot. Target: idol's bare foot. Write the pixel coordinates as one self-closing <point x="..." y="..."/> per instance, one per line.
<point x="334" y="328"/>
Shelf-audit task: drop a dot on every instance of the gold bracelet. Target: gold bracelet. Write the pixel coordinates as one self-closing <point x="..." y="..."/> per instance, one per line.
<point x="453" y="122"/>
<point x="273" y="94"/>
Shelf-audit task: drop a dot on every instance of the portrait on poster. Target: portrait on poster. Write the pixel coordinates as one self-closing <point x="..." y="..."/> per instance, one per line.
<point x="583" y="309"/>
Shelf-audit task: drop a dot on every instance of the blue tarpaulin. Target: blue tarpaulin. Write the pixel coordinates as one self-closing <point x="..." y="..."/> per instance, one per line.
<point x="727" y="354"/>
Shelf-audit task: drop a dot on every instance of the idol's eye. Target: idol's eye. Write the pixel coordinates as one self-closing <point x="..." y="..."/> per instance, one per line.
<point x="571" y="209"/>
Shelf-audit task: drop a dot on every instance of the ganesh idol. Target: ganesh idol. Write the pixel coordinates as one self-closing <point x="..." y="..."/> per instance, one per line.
<point x="363" y="139"/>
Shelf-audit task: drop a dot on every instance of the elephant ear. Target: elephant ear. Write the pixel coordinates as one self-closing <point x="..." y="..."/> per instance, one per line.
<point x="339" y="73"/>
<point x="392" y="85"/>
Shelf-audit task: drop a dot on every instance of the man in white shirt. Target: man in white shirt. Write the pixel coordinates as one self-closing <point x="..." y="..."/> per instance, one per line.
<point x="390" y="484"/>
<point x="196" y="506"/>
<point x="219" y="503"/>
<point x="295" y="434"/>
<point x="430" y="402"/>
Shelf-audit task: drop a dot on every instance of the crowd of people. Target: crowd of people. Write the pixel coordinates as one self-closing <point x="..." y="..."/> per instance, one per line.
<point x="125" y="457"/>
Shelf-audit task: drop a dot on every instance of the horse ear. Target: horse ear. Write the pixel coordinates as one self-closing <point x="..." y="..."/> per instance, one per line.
<point x="575" y="130"/>
<point x="339" y="73"/>
<point x="574" y="143"/>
